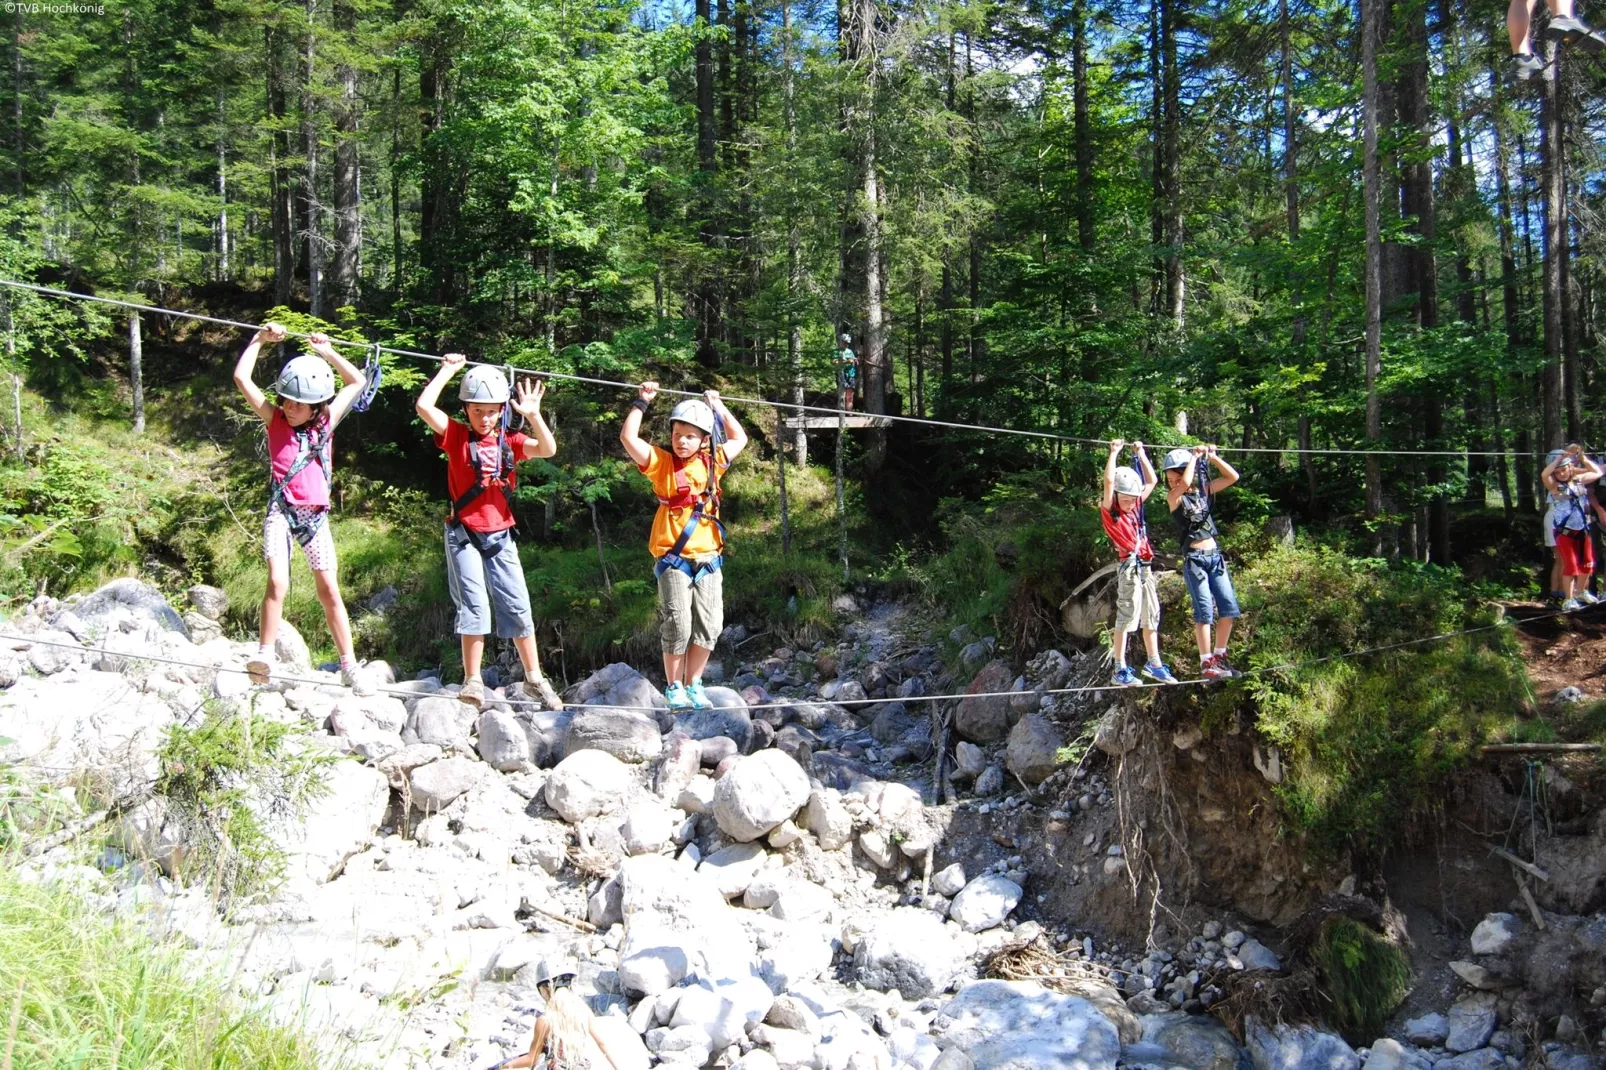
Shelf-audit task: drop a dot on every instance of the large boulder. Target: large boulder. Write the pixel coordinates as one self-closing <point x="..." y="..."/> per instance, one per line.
<point x="1495" y="933"/>
<point x="441" y="720"/>
<point x="1033" y="750"/>
<point x="679" y="925"/>
<point x="547" y="731"/>
<point x="437" y="785"/>
<point x="1192" y="1040"/>
<point x="1296" y="1047"/>
<point x="339" y="824"/>
<point x="619" y="685"/>
<point x="728" y="718"/>
<point x="983" y="716"/>
<point x="503" y="743"/>
<point x="985" y="902"/>
<point x="1472" y="1022"/>
<point x="1019" y="1025"/>
<point x="629" y="735"/>
<point x="588" y="783"/>
<point x="758" y="793"/>
<point x="125" y="600"/>
<point x="910" y="950"/>
<point x="724" y="1008"/>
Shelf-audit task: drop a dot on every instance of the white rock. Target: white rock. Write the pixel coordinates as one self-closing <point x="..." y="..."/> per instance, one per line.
<point x="1428" y="1031"/>
<point x="1303" y="1047"/>
<point x="437" y="785"/>
<point x="341" y="823"/>
<point x="759" y="793"/>
<point x="949" y="880"/>
<point x="647" y="827"/>
<point x="970" y="759"/>
<point x="1494" y="933"/>
<point x="910" y="950"/>
<point x="985" y="902"/>
<point x="784" y="835"/>
<point x="877" y="848"/>
<point x="1472" y="1022"/>
<point x="1023" y="1026"/>
<point x="724" y="1008"/>
<point x="829" y="820"/>
<point x="588" y="783"/>
<point x="801" y="900"/>
<point x="733" y="868"/>
<point x="697" y="797"/>
<point x="1257" y="956"/>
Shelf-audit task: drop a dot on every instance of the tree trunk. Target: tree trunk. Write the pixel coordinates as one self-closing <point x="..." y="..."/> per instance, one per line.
<point x="348" y="206"/>
<point x="1175" y="278"/>
<point x="279" y="175"/>
<point x="874" y="360"/>
<point x="794" y="259"/>
<point x="136" y="370"/>
<point x="707" y="290"/>
<point x="1554" y="180"/>
<point x="311" y="206"/>
<point x="1372" y="15"/>
<point x="1082" y="130"/>
<point x="220" y="238"/>
<point x="1307" y="463"/>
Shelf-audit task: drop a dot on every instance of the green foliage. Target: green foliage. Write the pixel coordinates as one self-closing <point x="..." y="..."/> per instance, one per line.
<point x="1364" y="975"/>
<point x="230" y="783"/>
<point x="1367" y="741"/>
<point x="97" y="994"/>
<point x="27" y="809"/>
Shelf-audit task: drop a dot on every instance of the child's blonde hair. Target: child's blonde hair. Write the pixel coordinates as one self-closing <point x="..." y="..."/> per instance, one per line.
<point x="568" y="1023"/>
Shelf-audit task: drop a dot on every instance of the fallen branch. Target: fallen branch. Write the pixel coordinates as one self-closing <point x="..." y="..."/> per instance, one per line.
<point x="1541" y="748"/>
<point x="1528" y="898"/>
<point x="1526" y="867"/>
<point x="583" y="926"/>
<point x="81" y="826"/>
<point x="1080" y="587"/>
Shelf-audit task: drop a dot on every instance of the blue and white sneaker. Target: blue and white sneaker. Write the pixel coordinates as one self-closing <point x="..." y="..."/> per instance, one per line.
<point x="697" y="696"/>
<point x="675" y="695"/>
<point x="1160" y="674"/>
<point x="1125" y="677"/>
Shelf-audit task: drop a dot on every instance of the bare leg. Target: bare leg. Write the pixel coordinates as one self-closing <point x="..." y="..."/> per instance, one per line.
<point x="528" y="657"/>
<point x="334" y="611"/>
<point x="1555" y="572"/>
<point x="674" y="666"/>
<point x="1519" y="17"/>
<point x="1201" y="637"/>
<point x="1223" y="632"/>
<point x="273" y="599"/>
<point x="1118" y="648"/>
<point x="696" y="661"/>
<point x="473" y="654"/>
<point x="1151" y="645"/>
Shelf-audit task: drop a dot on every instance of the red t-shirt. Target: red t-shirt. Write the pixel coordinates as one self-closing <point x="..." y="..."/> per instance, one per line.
<point x="468" y="460"/>
<point x="1123" y="530"/>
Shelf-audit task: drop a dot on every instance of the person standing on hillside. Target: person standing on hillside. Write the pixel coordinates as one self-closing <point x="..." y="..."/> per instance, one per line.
<point x="482" y="560"/>
<point x="688" y="539"/>
<point x="1189" y="490"/>
<point x="301" y="428"/>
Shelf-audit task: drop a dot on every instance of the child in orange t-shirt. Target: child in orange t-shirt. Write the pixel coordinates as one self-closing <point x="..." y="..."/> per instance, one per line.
<point x="687" y="536"/>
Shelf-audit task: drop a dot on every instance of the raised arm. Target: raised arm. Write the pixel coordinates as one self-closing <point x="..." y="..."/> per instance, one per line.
<point x="1548" y="476"/>
<point x="1108" y="497"/>
<point x="350" y="374"/>
<point x="542" y="443"/>
<point x="537" y="1046"/>
<point x="1592" y="471"/>
<point x="1173" y="495"/>
<point x="268" y="334"/>
<point x="1228" y="476"/>
<point x="1150" y="480"/>
<point x="637" y="448"/>
<point x="735" y="436"/>
<point x="427" y="408"/>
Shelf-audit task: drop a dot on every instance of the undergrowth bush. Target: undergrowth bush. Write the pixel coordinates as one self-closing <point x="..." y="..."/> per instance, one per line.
<point x="85" y="991"/>
<point x="1364" y="975"/>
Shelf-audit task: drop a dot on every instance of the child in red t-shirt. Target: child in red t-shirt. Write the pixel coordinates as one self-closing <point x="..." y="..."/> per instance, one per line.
<point x="482" y="560"/>
<point x="301" y="427"/>
<point x="1137" y="597"/>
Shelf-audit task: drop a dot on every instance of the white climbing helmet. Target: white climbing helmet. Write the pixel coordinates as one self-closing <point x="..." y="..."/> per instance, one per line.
<point x="483" y="386"/>
<point x="694" y="412"/>
<point x="306" y="379"/>
<point x="551" y="969"/>
<point x="1127" y="481"/>
<point x="1180" y="457"/>
<point x="846" y="338"/>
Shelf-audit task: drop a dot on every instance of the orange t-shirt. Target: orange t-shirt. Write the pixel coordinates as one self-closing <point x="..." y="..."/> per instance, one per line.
<point x="669" y="522"/>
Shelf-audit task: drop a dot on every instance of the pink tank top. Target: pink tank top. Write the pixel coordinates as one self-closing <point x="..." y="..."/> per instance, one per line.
<point x="310" y="486"/>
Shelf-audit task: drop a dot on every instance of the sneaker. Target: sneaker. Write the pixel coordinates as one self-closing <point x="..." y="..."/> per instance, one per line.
<point x="1159" y="673"/>
<point x="1526" y="67"/>
<point x="698" y="697"/>
<point x="473" y="692"/>
<point x="1218" y="668"/>
<point x="1586" y="598"/>
<point x="1571" y="605"/>
<point x="1125" y="677"/>
<point x="1571" y="30"/>
<point x="543" y="689"/>
<point x="260" y="668"/>
<point x="675" y="695"/>
<point x="357" y="678"/>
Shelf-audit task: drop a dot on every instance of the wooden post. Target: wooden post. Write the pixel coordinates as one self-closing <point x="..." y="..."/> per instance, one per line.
<point x="136" y="371"/>
<point x="841" y="508"/>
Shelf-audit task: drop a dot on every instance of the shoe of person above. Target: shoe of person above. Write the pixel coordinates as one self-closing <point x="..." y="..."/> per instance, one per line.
<point x="1570" y="605"/>
<point x="473" y="692"/>
<point x="697" y="696"/>
<point x="359" y="680"/>
<point x="675" y="695"/>
<point x="1586" y="598"/>
<point x="1572" y="30"/>
<point x="1219" y="668"/>
<point x="1125" y="677"/>
<point x="544" y="690"/>
<point x="260" y="668"/>
<point x="1160" y="673"/>
<point x="1526" y="67"/>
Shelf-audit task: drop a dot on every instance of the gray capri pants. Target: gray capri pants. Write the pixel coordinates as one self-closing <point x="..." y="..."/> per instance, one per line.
<point x="477" y="581"/>
<point x="690" y="613"/>
<point x="1137" y="597"/>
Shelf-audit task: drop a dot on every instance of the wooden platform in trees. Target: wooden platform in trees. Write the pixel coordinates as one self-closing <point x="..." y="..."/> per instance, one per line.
<point x="825" y="423"/>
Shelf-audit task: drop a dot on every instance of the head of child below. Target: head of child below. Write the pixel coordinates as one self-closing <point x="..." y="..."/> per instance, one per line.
<point x="1137" y="598"/>
<point x="1567" y="475"/>
<point x="687" y="540"/>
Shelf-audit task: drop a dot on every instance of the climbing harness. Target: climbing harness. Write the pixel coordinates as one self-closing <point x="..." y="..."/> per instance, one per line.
<point x="373" y="374"/>
<point x="704" y="506"/>
<point x="504" y="480"/>
<point x="313" y="445"/>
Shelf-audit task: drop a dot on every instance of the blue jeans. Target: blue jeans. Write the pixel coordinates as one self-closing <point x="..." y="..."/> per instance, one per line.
<point x="1209" y="586"/>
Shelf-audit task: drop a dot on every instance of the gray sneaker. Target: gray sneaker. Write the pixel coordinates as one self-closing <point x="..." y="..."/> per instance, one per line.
<point x="548" y="696"/>
<point x="473" y="692"/>
<point x="1573" y="31"/>
<point x="1526" y="67"/>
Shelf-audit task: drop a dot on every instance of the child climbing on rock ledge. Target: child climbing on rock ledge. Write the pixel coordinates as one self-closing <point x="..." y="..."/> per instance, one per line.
<point x="301" y="429"/>
<point x="1567" y="476"/>
<point x="687" y="536"/>
<point x="1137" y="598"/>
<point x="482" y="560"/>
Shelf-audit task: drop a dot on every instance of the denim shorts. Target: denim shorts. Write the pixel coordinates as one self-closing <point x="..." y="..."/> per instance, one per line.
<point x="480" y="579"/>
<point x="1209" y="586"/>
